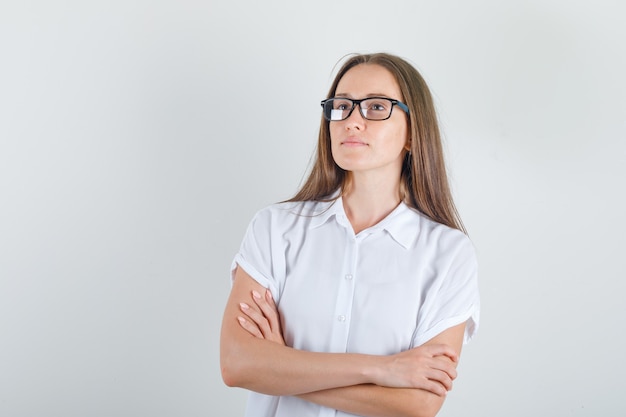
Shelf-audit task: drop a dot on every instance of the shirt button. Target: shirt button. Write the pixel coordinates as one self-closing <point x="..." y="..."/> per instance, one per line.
<point x="341" y="318"/>
<point x="349" y="277"/>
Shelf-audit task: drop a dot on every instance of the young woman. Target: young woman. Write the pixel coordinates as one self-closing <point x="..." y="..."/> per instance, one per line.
<point x="355" y="296"/>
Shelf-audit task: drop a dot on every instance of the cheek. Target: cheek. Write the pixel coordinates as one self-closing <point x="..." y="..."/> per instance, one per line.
<point x="334" y="137"/>
<point x="404" y="135"/>
<point x="333" y="130"/>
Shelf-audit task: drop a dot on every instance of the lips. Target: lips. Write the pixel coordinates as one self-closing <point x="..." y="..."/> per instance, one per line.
<point x="353" y="142"/>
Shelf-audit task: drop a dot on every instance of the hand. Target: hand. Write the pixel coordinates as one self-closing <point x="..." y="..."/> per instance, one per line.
<point x="428" y="367"/>
<point x="263" y="323"/>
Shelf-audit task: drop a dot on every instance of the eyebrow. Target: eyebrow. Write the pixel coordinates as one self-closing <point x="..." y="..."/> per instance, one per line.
<point x="366" y="96"/>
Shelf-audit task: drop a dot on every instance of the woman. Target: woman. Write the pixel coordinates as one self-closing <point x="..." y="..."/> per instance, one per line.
<point x="355" y="296"/>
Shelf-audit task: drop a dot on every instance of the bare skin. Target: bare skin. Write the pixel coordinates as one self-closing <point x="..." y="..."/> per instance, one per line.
<point x="409" y="383"/>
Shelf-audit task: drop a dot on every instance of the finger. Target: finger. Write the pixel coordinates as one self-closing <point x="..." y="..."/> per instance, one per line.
<point x="441" y="378"/>
<point x="274" y="318"/>
<point x="443" y="350"/>
<point x="268" y="308"/>
<point x="434" y="387"/>
<point x="445" y="365"/>
<point x="259" y="320"/>
<point x="270" y="299"/>
<point x="250" y="327"/>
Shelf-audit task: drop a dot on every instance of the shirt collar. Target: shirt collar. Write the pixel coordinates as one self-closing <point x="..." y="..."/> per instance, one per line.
<point x="402" y="224"/>
<point x="324" y="210"/>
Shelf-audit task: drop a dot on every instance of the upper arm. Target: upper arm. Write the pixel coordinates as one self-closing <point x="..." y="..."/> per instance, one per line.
<point x="232" y="334"/>
<point x="271" y="368"/>
<point x="241" y="291"/>
<point x="452" y="337"/>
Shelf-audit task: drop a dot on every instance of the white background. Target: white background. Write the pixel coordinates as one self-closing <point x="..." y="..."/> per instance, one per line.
<point x="137" y="139"/>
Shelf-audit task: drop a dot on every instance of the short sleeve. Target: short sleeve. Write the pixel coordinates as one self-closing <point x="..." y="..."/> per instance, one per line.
<point x="454" y="299"/>
<point x="255" y="253"/>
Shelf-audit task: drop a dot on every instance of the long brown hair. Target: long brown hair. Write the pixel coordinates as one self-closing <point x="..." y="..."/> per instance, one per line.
<point x="424" y="182"/>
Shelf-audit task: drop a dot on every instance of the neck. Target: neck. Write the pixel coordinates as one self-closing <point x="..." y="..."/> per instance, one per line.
<point x="368" y="201"/>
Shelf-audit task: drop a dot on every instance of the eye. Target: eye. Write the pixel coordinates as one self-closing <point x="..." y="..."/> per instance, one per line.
<point x="378" y="105"/>
<point x="341" y="104"/>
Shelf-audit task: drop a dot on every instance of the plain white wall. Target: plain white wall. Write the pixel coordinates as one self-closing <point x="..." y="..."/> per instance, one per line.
<point x="137" y="139"/>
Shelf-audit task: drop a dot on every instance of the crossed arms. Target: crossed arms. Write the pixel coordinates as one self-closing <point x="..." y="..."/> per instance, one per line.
<point x="254" y="356"/>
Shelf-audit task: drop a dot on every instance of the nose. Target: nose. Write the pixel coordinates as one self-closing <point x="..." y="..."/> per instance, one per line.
<point x="355" y="120"/>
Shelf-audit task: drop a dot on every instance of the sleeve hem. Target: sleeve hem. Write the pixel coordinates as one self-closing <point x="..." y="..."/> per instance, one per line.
<point x="471" y="317"/>
<point x="253" y="272"/>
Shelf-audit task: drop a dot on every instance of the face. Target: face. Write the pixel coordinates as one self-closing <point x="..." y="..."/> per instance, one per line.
<point x="367" y="146"/>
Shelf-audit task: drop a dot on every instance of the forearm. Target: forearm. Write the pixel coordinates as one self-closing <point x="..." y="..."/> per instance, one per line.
<point x="266" y="367"/>
<point x="376" y="401"/>
<point x="270" y="367"/>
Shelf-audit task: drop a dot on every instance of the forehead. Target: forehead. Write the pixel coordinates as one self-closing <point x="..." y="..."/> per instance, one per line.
<point x="368" y="80"/>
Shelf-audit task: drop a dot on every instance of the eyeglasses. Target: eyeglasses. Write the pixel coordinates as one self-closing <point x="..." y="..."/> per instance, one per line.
<point x="371" y="108"/>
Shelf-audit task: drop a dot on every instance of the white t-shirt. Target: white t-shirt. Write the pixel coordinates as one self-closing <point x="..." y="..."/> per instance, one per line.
<point x="390" y="288"/>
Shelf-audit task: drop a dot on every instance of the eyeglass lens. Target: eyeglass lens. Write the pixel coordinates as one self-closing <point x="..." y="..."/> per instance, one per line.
<point x="371" y="109"/>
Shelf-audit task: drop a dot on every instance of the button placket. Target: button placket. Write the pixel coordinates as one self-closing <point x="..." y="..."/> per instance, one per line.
<point x="345" y="296"/>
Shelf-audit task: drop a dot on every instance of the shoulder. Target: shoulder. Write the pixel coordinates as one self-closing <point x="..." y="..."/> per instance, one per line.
<point x="288" y="215"/>
<point x="453" y="250"/>
<point x="451" y="241"/>
<point x="288" y="209"/>
<point x="419" y="231"/>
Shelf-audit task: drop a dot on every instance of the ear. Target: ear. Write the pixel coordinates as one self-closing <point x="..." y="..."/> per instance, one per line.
<point x="407" y="144"/>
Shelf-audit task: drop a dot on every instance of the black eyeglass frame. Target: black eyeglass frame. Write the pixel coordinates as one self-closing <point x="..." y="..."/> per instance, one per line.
<point x="355" y="103"/>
